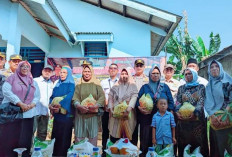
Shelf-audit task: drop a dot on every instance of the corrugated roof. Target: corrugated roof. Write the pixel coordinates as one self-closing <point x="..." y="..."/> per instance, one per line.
<point x="144" y="13"/>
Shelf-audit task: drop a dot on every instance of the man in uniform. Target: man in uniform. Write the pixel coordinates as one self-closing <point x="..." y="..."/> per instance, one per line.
<point x="2" y="61"/>
<point x="13" y="63"/>
<point x="140" y="79"/>
<point x="172" y="83"/>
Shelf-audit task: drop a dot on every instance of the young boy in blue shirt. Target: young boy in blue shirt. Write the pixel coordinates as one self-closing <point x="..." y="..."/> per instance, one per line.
<point x="163" y="125"/>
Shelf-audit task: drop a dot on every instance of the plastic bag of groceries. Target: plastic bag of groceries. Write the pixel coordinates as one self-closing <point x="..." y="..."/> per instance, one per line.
<point x="146" y="102"/>
<point x="123" y="148"/>
<point x="195" y="153"/>
<point x="83" y="147"/>
<point x="89" y="101"/>
<point x="186" y="110"/>
<point x="46" y="146"/>
<point x="166" y="152"/>
<point x="119" y="109"/>
<point x="226" y="154"/>
<point x="108" y="144"/>
<point x="56" y="101"/>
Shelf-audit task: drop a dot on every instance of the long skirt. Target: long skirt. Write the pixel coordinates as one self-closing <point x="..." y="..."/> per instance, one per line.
<point x="219" y="142"/>
<point x="62" y="132"/>
<point x="9" y="138"/>
<point x="145" y="139"/>
<point x="193" y="133"/>
<point x="26" y="135"/>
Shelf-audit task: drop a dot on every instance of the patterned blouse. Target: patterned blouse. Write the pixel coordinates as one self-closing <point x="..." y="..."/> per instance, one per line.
<point x="195" y="96"/>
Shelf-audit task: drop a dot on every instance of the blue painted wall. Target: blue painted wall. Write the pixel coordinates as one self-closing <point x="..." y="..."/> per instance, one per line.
<point x="130" y="36"/>
<point x="61" y="49"/>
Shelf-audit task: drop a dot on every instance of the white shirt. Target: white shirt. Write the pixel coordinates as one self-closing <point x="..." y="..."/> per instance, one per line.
<point x="200" y="80"/>
<point x="9" y="96"/>
<point x="46" y="88"/>
<point x="106" y="85"/>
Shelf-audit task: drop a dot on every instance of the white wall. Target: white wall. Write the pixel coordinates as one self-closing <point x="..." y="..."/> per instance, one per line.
<point x="130" y="36"/>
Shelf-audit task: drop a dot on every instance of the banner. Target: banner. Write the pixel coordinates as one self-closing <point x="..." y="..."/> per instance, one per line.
<point x="101" y="65"/>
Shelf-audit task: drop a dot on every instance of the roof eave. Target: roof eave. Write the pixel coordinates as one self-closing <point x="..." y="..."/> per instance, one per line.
<point x="165" y="39"/>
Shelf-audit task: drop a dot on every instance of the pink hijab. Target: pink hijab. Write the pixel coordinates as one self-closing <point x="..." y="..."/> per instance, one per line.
<point x="20" y="83"/>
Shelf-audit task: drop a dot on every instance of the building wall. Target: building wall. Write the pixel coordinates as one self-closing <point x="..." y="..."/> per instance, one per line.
<point x="130" y="36"/>
<point x="16" y="22"/>
<point x="61" y="49"/>
<point x="224" y="57"/>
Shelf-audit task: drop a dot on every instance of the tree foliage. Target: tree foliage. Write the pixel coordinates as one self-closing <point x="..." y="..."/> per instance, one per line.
<point x="181" y="47"/>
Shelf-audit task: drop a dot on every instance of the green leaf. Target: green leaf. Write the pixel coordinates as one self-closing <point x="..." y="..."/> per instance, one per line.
<point x="218" y="114"/>
<point x="171" y="58"/>
<point x="215" y="42"/>
<point x="230" y="117"/>
<point x="202" y="46"/>
<point x="224" y="117"/>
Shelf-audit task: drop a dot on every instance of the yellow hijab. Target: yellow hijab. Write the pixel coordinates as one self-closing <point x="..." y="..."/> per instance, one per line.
<point x="93" y="77"/>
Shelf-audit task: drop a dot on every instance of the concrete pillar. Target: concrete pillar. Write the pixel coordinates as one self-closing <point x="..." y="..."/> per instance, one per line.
<point x="14" y="33"/>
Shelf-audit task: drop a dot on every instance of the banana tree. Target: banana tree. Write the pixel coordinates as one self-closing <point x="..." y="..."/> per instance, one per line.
<point x="180" y="47"/>
<point x="201" y="51"/>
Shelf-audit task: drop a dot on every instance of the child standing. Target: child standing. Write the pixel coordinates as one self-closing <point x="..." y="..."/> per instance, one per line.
<point x="163" y="125"/>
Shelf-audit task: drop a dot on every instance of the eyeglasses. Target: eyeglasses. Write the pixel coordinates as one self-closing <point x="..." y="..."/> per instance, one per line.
<point x="169" y="69"/>
<point x="139" y="65"/>
<point x="155" y="73"/>
<point x="25" y="66"/>
<point x="186" y="74"/>
<point x="1" y="58"/>
<point x="111" y="68"/>
<point x="16" y="61"/>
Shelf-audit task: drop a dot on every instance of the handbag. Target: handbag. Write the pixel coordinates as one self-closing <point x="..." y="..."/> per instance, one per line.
<point x="9" y="112"/>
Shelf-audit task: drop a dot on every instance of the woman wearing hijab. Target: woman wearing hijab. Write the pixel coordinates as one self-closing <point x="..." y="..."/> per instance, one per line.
<point x="155" y="88"/>
<point x="124" y="90"/>
<point x="218" y="97"/>
<point x="63" y="121"/>
<point x="87" y="118"/>
<point x="191" y="130"/>
<point x="18" y="134"/>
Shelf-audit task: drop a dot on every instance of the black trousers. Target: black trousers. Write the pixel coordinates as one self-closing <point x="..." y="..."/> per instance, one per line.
<point x="9" y="138"/>
<point x="135" y="135"/>
<point x="145" y="139"/>
<point x="62" y="132"/>
<point x="105" y="130"/>
<point x="113" y="139"/>
<point x="26" y="135"/>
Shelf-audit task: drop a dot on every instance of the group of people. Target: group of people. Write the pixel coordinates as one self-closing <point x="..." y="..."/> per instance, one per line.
<point x="160" y="126"/>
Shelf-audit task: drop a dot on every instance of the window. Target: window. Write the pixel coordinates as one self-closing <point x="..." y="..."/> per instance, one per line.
<point x="95" y="49"/>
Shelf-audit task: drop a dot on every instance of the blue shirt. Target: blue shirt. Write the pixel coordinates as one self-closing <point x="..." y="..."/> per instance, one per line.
<point x="163" y="126"/>
<point x="146" y="119"/>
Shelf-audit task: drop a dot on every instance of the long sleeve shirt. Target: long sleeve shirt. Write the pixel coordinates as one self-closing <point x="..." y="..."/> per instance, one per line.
<point x="46" y="88"/>
<point x="9" y="96"/>
<point x="106" y="85"/>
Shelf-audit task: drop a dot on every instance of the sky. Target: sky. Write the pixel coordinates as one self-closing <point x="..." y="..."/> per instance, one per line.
<point x="204" y="17"/>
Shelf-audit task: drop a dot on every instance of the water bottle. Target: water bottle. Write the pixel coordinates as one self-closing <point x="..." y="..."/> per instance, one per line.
<point x="37" y="152"/>
<point x="95" y="152"/>
<point x="151" y="152"/>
